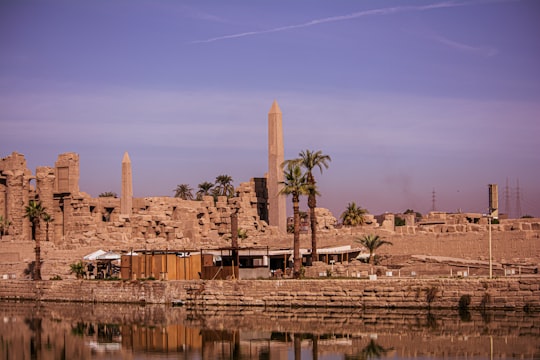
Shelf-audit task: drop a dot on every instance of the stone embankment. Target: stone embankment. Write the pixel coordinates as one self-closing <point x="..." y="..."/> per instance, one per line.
<point x="515" y="293"/>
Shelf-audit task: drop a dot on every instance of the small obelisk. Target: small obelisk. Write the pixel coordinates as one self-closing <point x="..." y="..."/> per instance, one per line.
<point x="277" y="210"/>
<point x="126" y="198"/>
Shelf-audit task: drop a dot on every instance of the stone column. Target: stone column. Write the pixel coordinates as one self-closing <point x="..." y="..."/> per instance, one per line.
<point x="16" y="202"/>
<point x="45" y="180"/>
<point x="126" y="197"/>
<point x="277" y="210"/>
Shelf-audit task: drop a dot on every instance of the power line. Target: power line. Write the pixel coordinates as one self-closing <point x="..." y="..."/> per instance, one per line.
<point x="507" y="208"/>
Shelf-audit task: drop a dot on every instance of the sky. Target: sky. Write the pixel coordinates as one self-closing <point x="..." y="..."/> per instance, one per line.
<point x="419" y="104"/>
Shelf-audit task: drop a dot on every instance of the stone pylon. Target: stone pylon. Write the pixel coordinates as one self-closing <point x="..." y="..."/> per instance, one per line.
<point x="277" y="209"/>
<point x="126" y="198"/>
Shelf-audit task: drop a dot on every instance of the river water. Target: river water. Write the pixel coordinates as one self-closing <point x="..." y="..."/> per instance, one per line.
<point x="45" y="331"/>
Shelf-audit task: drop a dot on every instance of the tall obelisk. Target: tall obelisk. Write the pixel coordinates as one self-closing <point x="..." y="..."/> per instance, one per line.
<point x="277" y="210"/>
<point x="126" y="198"/>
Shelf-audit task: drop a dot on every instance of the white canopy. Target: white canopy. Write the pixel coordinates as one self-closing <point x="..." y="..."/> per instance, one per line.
<point x="109" y="255"/>
<point x="94" y="255"/>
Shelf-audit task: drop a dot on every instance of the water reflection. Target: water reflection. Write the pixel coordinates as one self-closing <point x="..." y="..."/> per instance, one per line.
<point x="98" y="331"/>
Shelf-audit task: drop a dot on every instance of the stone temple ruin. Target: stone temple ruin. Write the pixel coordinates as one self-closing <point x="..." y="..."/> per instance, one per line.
<point x="82" y="219"/>
<point x="83" y="223"/>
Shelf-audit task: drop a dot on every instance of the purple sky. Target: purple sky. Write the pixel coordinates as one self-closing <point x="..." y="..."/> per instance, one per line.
<point x="405" y="96"/>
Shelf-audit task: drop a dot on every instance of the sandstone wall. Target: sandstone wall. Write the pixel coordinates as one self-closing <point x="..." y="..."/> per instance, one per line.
<point x="515" y="293"/>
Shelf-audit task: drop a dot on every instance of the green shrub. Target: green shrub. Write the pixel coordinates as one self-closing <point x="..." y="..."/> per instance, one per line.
<point x="78" y="269"/>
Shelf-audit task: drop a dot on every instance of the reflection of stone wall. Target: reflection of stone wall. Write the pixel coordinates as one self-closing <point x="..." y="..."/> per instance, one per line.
<point x="66" y="330"/>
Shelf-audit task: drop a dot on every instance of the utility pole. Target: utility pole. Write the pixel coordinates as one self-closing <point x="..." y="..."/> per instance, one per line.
<point x="493" y="213"/>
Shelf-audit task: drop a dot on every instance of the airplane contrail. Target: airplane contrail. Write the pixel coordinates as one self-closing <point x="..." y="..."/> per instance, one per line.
<point x="355" y="15"/>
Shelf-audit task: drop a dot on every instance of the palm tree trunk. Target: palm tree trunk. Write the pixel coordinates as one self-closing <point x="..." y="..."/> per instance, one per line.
<point x="312" y="203"/>
<point x="37" y="266"/>
<point x="296" y="243"/>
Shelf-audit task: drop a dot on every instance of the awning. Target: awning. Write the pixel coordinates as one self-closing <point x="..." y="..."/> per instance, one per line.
<point x="109" y="255"/>
<point x="94" y="255"/>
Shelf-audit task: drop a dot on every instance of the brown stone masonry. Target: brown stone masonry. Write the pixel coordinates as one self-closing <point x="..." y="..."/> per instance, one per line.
<point x="504" y="293"/>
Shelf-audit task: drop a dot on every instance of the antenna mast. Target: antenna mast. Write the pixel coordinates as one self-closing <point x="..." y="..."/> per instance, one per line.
<point x="507" y="199"/>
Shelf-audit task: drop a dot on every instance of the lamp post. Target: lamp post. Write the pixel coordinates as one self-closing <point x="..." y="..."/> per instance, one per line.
<point x="489" y="237"/>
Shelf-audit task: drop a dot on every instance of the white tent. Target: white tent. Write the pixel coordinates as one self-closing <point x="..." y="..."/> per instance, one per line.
<point x="109" y="255"/>
<point x="93" y="256"/>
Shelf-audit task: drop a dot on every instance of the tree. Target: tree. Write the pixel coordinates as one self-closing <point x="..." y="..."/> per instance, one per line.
<point x="310" y="160"/>
<point x="372" y="243"/>
<point x="223" y="186"/>
<point x="108" y="194"/>
<point x="35" y="212"/>
<point x="204" y="189"/>
<point x="183" y="191"/>
<point x="48" y="219"/>
<point x="295" y="184"/>
<point x="77" y="269"/>
<point x="353" y="215"/>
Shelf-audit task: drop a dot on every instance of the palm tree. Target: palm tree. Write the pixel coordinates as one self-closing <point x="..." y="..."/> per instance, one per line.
<point x="295" y="184"/>
<point x="48" y="219"/>
<point x="204" y="189"/>
<point x="223" y="186"/>
<point x="372" y="243"/>
<point x="35" y="213"/>
<point x="108" y="194"/>
<point x="310" y="160"/>
<point x="183" y="191"/>
<point x="353" y="215"/>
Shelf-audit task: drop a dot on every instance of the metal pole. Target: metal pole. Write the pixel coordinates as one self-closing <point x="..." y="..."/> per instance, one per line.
<point x="490" y="257"/>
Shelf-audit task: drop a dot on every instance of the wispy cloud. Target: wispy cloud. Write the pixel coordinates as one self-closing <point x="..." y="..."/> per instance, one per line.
<point x="355" y="15"/>
<point x="486" y="51"/>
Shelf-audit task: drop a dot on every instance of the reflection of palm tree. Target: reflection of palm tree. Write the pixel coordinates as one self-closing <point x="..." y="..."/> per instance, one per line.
<point x="370" y="351"/>
<point x="295" y="184"/>
<point x="431" y="321"/>
<point x="297" y="346"/>
<point x="34" y="324"/>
